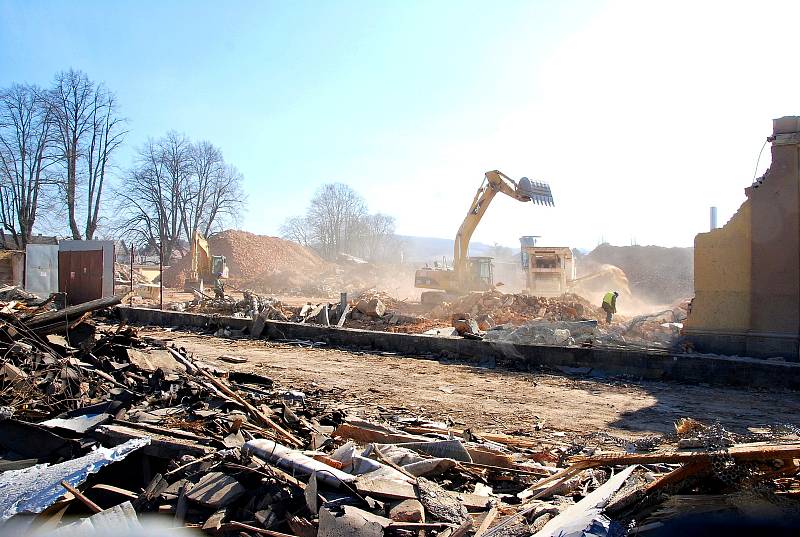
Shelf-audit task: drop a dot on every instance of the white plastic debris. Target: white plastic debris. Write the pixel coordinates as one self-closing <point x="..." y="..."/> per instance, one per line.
<point x="295" y="462"/>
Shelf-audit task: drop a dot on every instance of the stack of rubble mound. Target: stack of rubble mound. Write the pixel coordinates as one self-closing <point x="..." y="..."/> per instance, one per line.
<point x="122" y="275"/>
<point x="518" y="309"/>
<point x="110" y="426"/>
<point x="249" y="255"/>
<point x="378" y="310"/>
<point x="660" y="330"/>
<point x="371" y="310"/>
<point x="249" y="306"/>
<point x="256" y="258"/>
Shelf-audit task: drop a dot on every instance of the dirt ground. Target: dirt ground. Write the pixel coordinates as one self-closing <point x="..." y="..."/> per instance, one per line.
<point x="543" y="405"/>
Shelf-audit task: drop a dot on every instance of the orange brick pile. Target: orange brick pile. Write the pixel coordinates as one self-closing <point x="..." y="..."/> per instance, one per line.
<point x="518" y="309"/>
<point x="391" y="303"/>
<point x="250" y="256"/>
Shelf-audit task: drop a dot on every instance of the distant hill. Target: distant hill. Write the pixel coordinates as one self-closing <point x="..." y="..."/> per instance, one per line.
<point x="660" y="275"/>
<point x="428" y="249"/>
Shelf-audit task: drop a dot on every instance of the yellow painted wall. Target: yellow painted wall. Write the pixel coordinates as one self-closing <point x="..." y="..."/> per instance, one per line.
<point x="722" y="276"/>
<point x="149" y="272"/>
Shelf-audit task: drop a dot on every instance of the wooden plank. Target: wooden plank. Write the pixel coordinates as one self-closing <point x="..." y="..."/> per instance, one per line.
<point x="486" y="522"/>
<point x="125" y="493"/>
<point x="160" y="445"/>
<point x="740" y="452"/>
<point x="363" y="434"/>
<point x="676" y="476"/>
<point x="93" y="507"/>
<point x="343" y="317"/>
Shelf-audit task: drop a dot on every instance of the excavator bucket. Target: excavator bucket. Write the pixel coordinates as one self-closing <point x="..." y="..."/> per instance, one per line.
<point x="537" y="191"/>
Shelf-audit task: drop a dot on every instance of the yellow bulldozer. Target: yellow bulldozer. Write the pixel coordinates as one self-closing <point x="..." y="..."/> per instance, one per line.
<point x="476" y="273"/>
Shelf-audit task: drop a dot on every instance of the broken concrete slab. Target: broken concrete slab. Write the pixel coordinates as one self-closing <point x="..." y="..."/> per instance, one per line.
<point x="216" y="490"/>
<point x="385" y="488"/>
<point x="440" y="503"/>
<point x="351" y="521"/>
<point x="372" y="308"/>
<point x="155" y="359"/>
<point x="407" y="511"/>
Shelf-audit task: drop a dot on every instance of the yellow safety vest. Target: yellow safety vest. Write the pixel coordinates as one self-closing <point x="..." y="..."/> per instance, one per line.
<point x="608" y="298"/>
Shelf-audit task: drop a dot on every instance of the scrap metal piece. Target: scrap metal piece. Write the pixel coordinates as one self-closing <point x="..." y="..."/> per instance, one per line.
<point x="31" y="490"/>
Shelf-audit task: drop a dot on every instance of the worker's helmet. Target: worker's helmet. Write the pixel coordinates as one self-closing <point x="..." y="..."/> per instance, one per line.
<point x="616" y="293"/>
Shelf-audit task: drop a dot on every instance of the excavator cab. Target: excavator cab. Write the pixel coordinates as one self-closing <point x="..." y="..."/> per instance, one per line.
<point x="481" y="271"/>
<point x="219" y="267"/>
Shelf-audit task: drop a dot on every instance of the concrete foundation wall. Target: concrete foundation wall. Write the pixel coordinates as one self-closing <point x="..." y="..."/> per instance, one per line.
<point x="650" y="366"/>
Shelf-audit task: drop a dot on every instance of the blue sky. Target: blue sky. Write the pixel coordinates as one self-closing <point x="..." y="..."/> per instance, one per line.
<point x="639" y="114"/>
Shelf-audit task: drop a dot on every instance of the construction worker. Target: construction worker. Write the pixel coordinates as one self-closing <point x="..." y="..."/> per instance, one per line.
<point x="610" y="304"/>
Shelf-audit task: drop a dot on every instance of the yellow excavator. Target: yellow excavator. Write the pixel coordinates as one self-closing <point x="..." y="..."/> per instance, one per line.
<point x="476" y="273"/>
<point x="206" y="268"/>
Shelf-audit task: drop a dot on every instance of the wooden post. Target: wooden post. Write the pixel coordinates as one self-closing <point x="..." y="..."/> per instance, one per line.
<point x="161" y="274"/>
<point x="130" y="300"/>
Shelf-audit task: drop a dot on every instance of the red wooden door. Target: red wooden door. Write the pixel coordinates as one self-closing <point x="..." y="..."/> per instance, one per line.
<point x="80" y="275"/>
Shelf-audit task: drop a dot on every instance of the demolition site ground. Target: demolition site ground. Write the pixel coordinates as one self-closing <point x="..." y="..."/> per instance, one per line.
<point x="551" y="406"/>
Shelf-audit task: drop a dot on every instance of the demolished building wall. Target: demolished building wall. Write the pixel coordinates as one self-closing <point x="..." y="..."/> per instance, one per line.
<point x="747" y="274"/>
<point x="722" y="275"/>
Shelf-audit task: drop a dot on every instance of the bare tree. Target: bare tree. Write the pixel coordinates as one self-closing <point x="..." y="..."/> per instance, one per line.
<point x="377" y="237"/>
<point x="107" y="134"/>
<point x="226" y="201"/>
<point x="88" y="131"/>
<point x="24" y="158"/>
<point x="296" y="229"/>
<point x="175" y="189"/>
<point x="205" y="165"/>
<point x="337" y="221"/>
<point x="333" y="218"/>
<point x="150" y="196"/>
<point x="213" y="194"/>
<point x="71" y="101"/>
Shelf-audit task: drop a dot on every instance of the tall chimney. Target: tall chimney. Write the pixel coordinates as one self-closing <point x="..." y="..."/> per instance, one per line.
<point x="713" y="218"/>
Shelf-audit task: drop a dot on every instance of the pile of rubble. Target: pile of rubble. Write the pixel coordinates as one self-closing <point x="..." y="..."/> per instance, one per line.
<point x="658" y="330"/>
<point x="101" y="424"/>
<point x="249" y="306"/>
<point x="372" y="310"/>
<point x="253" y="257"/>
<point x="123" y="274"/>
<point x="106" y="426"/>
<point x="518" y="308"/>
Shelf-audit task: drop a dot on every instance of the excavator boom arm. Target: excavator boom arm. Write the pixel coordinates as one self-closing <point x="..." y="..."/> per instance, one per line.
<point x="494" y="182"/>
